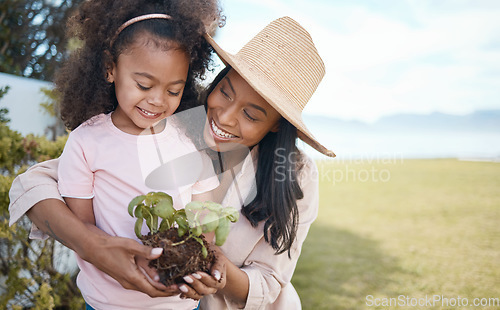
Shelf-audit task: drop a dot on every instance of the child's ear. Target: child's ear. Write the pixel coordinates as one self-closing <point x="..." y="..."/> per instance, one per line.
<point x="109" y="75"/>
<point x="108" y="61"/>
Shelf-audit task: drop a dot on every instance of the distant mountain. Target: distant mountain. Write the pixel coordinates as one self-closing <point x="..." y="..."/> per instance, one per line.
<point x="479" y="121"/>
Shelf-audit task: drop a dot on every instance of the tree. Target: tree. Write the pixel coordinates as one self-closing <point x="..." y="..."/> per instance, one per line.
<point x="31" y="269"/>
<point x="51" y="107"/>
<point x="32" y="36"/>
<point x="4" y="111"/>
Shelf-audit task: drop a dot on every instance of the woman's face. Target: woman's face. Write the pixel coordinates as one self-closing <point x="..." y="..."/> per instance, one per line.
<point x="236" y="113"/>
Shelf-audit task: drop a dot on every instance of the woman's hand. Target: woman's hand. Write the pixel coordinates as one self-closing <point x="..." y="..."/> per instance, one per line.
<point x="201" y="284"/>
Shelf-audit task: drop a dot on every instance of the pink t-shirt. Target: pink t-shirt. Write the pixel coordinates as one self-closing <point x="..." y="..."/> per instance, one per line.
<point x="110" y="166"/>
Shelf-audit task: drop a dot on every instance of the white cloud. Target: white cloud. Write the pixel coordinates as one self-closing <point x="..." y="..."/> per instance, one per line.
<point x="416" y="56"/>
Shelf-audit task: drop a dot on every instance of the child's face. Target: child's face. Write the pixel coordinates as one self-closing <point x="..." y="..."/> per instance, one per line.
<point x="236" y="113"/>
<point x="149" y="83"/>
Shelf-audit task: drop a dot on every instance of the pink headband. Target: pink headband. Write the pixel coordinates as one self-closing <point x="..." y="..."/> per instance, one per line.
<point x="135" y="20"/>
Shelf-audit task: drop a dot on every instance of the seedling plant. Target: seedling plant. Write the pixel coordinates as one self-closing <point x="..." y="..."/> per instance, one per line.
<point x="180" y="232"/>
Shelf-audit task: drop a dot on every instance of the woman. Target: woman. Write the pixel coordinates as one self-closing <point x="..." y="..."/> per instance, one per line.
<point x="256" y="102"/>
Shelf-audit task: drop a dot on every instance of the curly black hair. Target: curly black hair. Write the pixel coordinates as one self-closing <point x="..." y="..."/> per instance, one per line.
<point x="81" y="81"/>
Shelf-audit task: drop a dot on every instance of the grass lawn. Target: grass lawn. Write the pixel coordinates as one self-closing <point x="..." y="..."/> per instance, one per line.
<point x="406" y="230"/>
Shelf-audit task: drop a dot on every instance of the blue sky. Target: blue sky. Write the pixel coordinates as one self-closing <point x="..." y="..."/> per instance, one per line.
<point x="389" y="56"/>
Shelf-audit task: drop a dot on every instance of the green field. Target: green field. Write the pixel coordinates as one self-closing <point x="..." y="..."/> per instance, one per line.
<point x="406" y="230"/>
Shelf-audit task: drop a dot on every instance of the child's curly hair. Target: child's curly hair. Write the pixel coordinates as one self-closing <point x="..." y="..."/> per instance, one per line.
<point x="81" y="82"/>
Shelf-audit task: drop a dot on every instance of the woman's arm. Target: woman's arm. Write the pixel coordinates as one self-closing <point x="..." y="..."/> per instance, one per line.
<point x="48" y="213"/>
<point x="237" y="282"/>
<point x="112" y="255"/>
<point x="82" y="208"/>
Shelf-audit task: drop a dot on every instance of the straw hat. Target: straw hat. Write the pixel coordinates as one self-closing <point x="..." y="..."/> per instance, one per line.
<point x="282" y="64"/>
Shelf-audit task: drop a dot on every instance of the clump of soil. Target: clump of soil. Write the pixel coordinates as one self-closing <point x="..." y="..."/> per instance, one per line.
<point x="178" y="260"/>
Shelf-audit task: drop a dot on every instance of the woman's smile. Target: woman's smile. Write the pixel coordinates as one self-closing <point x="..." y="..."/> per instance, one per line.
<point x="219" y="132"/>
<point x="236" y="113"/>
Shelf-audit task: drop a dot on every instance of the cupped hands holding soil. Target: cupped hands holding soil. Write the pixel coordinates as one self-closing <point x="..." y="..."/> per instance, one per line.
<point x="178" y="260"/>
<point x="180" y="233"/>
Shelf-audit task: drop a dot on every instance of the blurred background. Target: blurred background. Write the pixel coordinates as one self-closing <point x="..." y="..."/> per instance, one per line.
<point x="417" y="79"/>
<point x="403" y="78"/>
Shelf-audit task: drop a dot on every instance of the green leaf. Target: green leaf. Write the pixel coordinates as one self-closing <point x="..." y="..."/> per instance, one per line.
<point x="222" y="231"/>
<point x="182" y="230"/>
<point x="191" y="216"/>
<point x="138" y="211"/>
<point x="149" y="200"/>
<point x="199" y="240"/>
<point x="150" y="222"/>
<point x="164" y="208"/>
<point x="210" y="222"/>
<point x="137" y="200"/>
<point x="180" y="219"/>
<point x="148" y="217"/>
<point x="203" y="248"/>
<point x="196" y="230"/>
<point x="155" y="223"/>
<point x="162" y="195"/>
<point x="138" y="228"/>
<point x="194" y="206"/>
<point x="165" y="225"/>
<point x="181" y="213"/>
<point x="213" y="206"/>
<point x="231" y="213"/>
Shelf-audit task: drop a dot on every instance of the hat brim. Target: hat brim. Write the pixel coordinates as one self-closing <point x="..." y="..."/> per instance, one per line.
<point x="265" y="87"/>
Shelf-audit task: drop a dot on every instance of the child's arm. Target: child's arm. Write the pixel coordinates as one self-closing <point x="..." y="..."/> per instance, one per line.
<point x="82" y="208"/>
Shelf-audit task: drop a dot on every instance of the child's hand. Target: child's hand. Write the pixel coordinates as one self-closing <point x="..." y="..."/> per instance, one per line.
<point x="152" y="274"/>
<point x="116" y="256"/>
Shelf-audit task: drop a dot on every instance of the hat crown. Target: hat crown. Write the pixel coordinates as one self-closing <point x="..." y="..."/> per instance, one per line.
<point x="285" y="53"/>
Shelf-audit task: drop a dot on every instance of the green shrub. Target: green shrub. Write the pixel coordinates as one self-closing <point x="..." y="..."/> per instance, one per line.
<point x="32" y="273"/>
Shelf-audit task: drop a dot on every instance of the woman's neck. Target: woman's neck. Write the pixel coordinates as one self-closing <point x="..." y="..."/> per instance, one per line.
<point x="233" y="159"/>
<point x="230" y="163"/>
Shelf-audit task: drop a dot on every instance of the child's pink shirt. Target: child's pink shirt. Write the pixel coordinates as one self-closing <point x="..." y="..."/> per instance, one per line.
<point x="110" y="166"/>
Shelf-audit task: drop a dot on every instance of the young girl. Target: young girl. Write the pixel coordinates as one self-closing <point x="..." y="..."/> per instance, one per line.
<point x="137" y="67"/>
